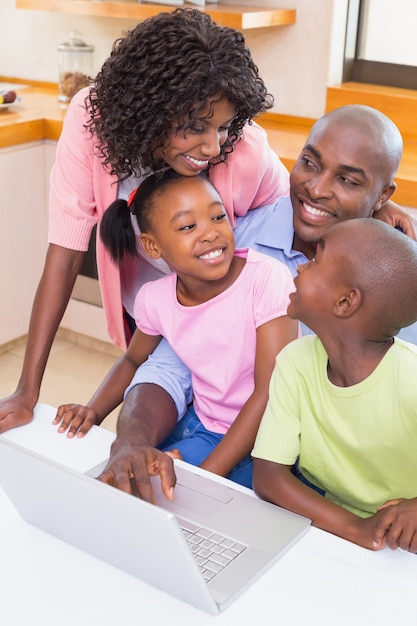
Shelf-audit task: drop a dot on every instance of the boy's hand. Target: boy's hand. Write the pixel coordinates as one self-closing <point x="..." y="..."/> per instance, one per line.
<point x="397" y="525"/>
<point x="393" y="525"/>
<point x="78" y="418"/>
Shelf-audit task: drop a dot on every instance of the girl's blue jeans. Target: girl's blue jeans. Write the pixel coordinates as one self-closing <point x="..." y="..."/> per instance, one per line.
<point x="195" y="443"/>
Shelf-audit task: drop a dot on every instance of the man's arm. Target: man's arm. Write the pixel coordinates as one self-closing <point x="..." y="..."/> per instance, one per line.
<point x="394" y="215"/>
<point x="156" y="398"/>
<point x="146" y="418"/>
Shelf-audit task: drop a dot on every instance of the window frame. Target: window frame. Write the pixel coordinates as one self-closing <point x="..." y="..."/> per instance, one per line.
<point x="373" y="72"/>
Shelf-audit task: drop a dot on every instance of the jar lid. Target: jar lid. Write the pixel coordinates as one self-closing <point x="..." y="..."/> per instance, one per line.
<point x="76" y="43"/>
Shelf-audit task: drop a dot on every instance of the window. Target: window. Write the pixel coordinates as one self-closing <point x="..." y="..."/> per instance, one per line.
<point x="381" y="45"/>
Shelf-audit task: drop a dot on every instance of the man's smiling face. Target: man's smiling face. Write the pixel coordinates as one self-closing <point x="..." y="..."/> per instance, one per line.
<point x="338" y="176"/>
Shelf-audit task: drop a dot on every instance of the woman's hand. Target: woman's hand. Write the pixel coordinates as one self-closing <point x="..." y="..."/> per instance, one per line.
<point x="15" y="411"/>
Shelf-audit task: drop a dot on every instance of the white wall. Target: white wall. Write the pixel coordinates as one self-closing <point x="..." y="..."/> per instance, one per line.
<point x="297" y="62"/>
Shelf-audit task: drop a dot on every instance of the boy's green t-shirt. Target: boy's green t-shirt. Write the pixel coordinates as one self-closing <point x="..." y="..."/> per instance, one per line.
<point x="356" y="443"/>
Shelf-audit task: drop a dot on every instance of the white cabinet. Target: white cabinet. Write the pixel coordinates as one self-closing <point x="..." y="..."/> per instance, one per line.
<point x="24" y="185"/>
<point x="23" y="233"/>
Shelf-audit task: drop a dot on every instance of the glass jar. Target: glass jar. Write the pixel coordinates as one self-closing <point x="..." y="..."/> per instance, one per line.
<point x="75" y="67"/>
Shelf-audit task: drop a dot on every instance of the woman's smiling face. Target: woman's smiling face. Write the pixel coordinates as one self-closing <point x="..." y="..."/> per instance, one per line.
<point x="189" y="151"/>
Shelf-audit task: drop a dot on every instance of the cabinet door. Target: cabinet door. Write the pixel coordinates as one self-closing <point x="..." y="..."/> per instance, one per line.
<point x="23" y="234"/>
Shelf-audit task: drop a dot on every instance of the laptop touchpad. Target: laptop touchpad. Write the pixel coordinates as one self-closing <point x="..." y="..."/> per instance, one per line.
<point x="193" y="493"/>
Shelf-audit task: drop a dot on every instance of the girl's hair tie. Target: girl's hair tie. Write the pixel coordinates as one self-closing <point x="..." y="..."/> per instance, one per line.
<point x="132" y="196"/>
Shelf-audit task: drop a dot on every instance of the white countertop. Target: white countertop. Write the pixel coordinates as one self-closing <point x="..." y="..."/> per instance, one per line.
<point x="322" y="580"/>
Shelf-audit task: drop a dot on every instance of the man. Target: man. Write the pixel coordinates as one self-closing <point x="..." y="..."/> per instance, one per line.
<point x="345" y="170"/>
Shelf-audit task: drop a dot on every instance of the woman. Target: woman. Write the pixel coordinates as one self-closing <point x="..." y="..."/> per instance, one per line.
<point x="177" y="91"/>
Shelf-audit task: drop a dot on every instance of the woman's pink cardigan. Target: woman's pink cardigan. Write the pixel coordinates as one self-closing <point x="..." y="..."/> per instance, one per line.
<point x="81" y="190"/>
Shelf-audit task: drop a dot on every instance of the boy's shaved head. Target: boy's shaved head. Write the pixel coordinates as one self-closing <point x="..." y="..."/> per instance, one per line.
<point x="382" y="263"/>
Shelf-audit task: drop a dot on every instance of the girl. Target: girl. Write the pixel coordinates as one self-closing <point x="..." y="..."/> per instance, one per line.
<point x="222" y="310"/>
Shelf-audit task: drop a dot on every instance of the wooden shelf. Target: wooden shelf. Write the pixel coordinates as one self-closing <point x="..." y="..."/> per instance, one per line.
<point x="239" y="17"/>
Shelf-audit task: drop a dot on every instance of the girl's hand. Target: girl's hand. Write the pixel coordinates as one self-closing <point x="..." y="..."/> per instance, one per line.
<point x="78" y="418"/>
<point x="174" y="454"/>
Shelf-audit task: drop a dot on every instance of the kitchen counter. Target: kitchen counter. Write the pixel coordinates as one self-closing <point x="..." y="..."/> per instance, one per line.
<point x="36" y="117"/>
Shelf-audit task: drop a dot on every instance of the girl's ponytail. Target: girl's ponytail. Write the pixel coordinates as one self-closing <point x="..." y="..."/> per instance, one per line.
<point x="116" y="231"/>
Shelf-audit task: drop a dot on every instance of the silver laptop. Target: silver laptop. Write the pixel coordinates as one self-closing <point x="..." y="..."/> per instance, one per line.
<point x="205" y="548"/>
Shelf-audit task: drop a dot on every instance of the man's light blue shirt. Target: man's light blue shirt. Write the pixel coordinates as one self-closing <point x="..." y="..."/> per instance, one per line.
<point x="270" y="230"/>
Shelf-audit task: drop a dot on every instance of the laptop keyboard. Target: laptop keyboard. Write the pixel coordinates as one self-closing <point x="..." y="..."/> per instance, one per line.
<point x="212" y="552"/>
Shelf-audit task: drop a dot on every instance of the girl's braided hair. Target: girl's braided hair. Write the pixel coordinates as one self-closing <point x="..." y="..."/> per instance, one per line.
<point x="163" y="73"/>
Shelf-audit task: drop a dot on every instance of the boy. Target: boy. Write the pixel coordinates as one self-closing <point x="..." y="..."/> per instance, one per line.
<point x="346" y="404"/>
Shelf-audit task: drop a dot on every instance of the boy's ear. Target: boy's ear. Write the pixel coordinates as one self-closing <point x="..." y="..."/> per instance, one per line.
<point x="385" y="196"/>
<point x="150" y="245"/>
<point x="348" y="303"/>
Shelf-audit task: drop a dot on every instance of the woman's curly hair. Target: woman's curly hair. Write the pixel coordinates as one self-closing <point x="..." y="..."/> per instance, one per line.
<point x="164" y="73"/>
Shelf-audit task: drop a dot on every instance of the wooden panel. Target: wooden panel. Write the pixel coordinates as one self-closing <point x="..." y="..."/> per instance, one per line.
<point x="38" y="116"/>
<point x="406" y="179"/>
<point x="15" y="134"/>
<point x="286" y="135"/>
<point x="398" y="104"/>
<point x="235" y="16"/>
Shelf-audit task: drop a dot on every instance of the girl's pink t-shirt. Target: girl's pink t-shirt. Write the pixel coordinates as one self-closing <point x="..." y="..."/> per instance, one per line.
<point x="217" y="339"/>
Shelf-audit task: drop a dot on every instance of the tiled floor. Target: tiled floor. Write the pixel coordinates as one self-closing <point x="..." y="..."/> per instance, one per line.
<point x="73" y="373"/>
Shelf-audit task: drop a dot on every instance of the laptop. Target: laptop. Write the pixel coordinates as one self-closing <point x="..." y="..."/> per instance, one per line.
<point x="152" y="542"/>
